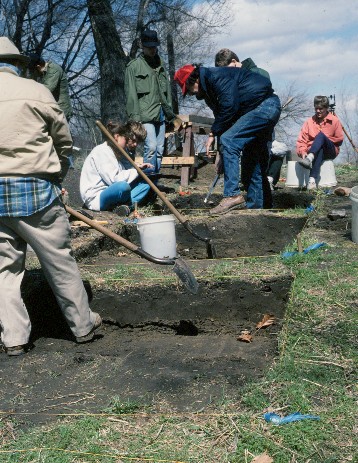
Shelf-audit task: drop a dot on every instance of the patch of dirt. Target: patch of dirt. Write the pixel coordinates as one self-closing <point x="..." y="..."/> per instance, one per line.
<point x="158" y="342"/>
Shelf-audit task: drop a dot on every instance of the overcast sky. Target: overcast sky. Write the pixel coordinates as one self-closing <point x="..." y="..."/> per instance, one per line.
<point x="311" y="42"/>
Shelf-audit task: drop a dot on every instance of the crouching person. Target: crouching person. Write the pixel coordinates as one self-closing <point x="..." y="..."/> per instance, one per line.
<point x="34" y="144"/>
<point x="108" y="180"/>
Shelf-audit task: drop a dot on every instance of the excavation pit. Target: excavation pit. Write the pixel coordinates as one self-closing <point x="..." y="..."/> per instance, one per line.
<point x="159" y="344"/>
<point x="233" y="235"/>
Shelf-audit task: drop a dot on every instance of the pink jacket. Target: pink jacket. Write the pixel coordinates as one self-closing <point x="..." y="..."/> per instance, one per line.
<point x="330" y="126"/>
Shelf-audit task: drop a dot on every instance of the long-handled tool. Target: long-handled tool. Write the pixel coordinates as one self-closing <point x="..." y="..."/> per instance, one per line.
<point x="216" y="179"/>
<point x="180" y="266"/>
<point x="209" y="245"/>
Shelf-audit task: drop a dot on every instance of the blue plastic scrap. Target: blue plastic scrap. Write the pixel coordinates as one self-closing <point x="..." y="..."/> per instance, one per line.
<point x="309" y="209"/>
<point x="313" y="247"/>
<point x="277" y="419"/>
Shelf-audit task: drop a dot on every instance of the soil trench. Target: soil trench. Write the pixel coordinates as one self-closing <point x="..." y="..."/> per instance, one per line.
<point x="157" y="344"/>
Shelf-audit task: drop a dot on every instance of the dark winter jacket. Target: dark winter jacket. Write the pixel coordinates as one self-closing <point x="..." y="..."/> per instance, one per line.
<point x="147" y="90"/>
<point x="249" y="64"/>
<point x="230" y="93"/>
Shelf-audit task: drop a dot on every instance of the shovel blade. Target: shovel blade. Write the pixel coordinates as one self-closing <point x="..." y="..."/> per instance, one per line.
<point x="185" y="275"/>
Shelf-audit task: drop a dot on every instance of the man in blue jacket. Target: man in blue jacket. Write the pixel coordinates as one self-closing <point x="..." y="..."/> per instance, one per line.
<point x="246" y="111"/>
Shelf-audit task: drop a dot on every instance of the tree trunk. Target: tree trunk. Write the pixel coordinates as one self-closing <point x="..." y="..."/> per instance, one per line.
<point x="171" y="62"/>
<point x="111" y="58"/>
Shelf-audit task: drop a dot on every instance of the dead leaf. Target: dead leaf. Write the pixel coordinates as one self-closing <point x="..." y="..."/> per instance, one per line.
<point x="121" y="254"/>
<point x="267" y="320"/>
<point x="245" y="336"/>
<point x="263" y="458"/>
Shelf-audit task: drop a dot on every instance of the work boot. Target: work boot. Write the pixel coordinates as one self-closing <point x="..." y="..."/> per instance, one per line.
<point x="228" y="204"/>
<point x="342" y="191"/>
<point x="89" y="336"/>
<point x="15" y="351"/>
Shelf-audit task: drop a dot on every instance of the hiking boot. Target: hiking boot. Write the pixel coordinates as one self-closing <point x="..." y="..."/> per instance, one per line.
<point x="89" y="336"/>
<point x="122" y="210"/>
<point x="228" y="204"/>
<point x="15" y="351"/>
<point x="311" y="185"/>
<point x="342" y="191"/>
<point x="306" y="163"/>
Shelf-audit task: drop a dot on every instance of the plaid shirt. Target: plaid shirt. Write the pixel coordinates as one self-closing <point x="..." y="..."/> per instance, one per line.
<point x="24" y="196"/>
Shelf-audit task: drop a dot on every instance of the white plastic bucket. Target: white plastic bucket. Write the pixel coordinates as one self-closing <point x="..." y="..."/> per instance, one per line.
<point x="157" y="236"/>
<point x="297" y="176"/>
<point x="354" y="198"/>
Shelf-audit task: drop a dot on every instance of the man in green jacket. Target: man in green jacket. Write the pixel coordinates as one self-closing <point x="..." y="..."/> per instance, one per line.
<point x="52" y="76"/>
<point x="149" y="101"/>
<point x="226" y="57"/>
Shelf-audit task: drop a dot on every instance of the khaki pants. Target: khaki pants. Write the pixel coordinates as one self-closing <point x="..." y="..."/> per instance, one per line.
<point x="48" y="233"/>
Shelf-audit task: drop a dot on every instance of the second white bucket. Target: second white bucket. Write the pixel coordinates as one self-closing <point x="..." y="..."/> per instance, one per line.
<point x="157" y="236"/>
<point x="354" y="198"/>
<point x="297" y="175"/>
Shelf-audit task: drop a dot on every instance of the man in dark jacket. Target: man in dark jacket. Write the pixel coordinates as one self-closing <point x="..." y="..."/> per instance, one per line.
<point x="149" y="101"/>
<point x="250" y="163"/>
<point x="246" y="111"/>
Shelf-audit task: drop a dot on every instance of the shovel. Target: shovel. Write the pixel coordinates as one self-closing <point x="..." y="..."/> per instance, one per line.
<point x="216" y="179"/>
<point x="209" y="245"/>
<point x="180" y="268"/>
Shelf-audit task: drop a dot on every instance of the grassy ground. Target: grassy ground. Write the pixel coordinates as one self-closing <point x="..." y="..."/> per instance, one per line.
<point x="314" y="373"/>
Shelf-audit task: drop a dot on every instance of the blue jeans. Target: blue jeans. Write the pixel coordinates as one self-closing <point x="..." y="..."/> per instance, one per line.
<point x="322" y="148"/>
<point x="253" y="130"/>
<point x="254" y="164"/>
<point x="123" y="193"/>
<point x="154" y="144"/>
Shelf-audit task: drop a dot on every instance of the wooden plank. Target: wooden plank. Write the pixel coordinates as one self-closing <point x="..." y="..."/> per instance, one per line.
<point x="173" y="160"/>
<point x="198" y="120"/>
<point x="178" y="161"/>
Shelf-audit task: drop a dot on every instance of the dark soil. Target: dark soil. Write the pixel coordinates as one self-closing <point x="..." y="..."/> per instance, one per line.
<point x="160" y="344"/>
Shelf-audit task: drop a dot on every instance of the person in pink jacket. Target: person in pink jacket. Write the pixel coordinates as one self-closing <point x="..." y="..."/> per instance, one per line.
<point x="319" y="139"/>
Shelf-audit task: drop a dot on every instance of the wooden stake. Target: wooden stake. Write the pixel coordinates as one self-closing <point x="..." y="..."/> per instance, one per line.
<point x="299" y="243"/>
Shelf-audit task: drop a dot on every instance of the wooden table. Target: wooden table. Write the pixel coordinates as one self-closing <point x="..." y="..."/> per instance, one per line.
<point x="194" y="125"/>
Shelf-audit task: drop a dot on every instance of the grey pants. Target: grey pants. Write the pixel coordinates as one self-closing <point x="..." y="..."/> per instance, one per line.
<point x="48" y="233"/>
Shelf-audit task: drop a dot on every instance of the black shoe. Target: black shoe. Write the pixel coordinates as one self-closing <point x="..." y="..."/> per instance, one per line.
<point x="122" y="210"/>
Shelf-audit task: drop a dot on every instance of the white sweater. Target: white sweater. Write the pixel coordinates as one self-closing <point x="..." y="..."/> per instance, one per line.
<point x="100" y="170"/>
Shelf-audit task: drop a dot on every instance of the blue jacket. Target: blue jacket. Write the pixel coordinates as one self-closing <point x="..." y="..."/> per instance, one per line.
<point x="230" y="93"/>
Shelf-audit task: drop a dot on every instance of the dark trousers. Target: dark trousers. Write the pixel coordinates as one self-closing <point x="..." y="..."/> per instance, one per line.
<point x="274" y="168"/>
<point x="322" y="149"/>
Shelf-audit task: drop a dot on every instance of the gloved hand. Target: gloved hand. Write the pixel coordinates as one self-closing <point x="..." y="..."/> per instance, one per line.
<point x="178" y="124"/>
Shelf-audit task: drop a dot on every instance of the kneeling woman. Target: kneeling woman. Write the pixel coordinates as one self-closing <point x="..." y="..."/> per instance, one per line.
<point x="107" y="180"/>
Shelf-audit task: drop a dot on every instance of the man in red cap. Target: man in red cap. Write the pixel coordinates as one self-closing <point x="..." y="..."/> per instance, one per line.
<point x="245" y="110"/>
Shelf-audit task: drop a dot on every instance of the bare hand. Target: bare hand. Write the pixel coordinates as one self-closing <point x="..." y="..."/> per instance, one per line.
<point x="209" y="144"/>
<point x="145" y="165"/>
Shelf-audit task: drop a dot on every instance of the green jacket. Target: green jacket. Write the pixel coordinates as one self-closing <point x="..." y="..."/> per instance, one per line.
<point x="147" y="91"/>
<point x="249" y="64"/>
<point x="54" y="78"/>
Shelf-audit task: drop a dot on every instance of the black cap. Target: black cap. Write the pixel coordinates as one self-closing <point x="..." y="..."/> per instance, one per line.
<point x="149" y="38"/>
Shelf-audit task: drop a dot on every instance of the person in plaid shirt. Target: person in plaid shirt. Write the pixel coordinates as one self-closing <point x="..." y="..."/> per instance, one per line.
<point x="34" y="145"/>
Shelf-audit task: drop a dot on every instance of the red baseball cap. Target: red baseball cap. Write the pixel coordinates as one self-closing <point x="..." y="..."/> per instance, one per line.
<point x="181" y="76"/>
